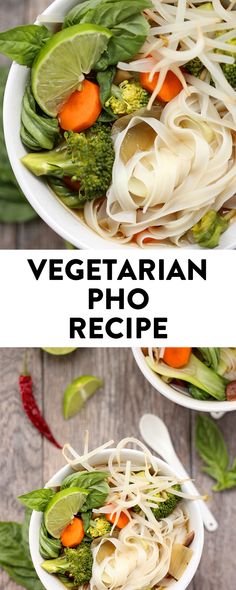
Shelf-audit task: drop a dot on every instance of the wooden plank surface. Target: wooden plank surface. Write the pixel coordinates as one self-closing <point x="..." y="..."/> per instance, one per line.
<point x="114" y="412"/>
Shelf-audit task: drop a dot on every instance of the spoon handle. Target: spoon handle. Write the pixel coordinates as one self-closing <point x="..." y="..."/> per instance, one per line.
<point x="209" y="520"/>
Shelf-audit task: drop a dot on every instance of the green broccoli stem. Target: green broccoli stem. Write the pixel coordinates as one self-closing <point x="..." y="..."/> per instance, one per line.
<point x="194" y="372"/>
<point x="56" y="162"/>
<point x="56" y="566"/>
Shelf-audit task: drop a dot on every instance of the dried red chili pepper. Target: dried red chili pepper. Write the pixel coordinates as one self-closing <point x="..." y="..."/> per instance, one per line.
<point x="32" y="410"/>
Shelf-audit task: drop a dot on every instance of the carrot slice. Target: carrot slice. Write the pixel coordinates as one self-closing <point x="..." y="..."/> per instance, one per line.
<point x="122" y="521"/>
<point x="170" y="87"/>
<point x="73" y="534"/>
<point x="177" y="357"/>
<point x="82" y="108"/>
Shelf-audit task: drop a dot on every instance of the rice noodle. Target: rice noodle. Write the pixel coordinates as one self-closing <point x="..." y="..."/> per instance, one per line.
<point x="190" y="168"/>
<point x="137" y="557"/>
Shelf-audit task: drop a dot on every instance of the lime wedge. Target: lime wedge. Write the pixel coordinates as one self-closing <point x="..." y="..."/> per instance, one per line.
<point x="62" y="508"/>
<point x="58" y="351"/>
<point x="59" y="67"/>
<point x="77" y="393"/>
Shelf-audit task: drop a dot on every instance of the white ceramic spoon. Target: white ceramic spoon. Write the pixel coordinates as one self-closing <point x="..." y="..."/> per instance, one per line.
<point x="156" y="435"/>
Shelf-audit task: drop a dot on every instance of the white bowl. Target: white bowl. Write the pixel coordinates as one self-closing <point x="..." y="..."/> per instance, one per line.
<point x="52" y="583"/>
<point x="213" y="407"/>
<point x="62" y="220"/>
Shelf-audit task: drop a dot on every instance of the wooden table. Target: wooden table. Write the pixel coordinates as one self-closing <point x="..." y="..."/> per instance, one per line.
<point x="27" y="462"/>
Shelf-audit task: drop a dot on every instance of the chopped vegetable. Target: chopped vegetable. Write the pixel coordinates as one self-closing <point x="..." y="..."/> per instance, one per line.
<point x="166" y="508"/>
<point x="37" y="131"/>
<point x="180" y="558"/>
<point x="196" y="373"/>
<point x="126" y="98"/>
<point x="77" y="561"/>
<point x="87" y="157"/>
<point x="194" y="67"/>
<point x="49" y="548"/>
<point x="98" y="527"/>
<point x="82" y="109"/>
<point x="208" y="230"/>
<point x="170" y="87"/>
<point x="122" y="521"/>
<point x="177" y="357"/>
<point x="211" y="357"/>
<point x="73" y="533"/>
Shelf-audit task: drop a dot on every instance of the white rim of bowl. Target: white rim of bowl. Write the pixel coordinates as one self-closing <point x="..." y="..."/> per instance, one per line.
<point x="176" y="396"/>
<point x="36" y="517"/>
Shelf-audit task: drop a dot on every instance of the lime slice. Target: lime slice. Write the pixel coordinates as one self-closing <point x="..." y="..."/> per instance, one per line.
<point x="59" y="67"/>
<point x="77" y="393"/>
<point x="62" y="508"/>
<point x="58" y="351"/>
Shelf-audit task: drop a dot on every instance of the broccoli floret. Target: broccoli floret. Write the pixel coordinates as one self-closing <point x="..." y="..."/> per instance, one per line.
<point x="87" y="157"/>
<point x="76" y="563"/>
<point x="229" y="69"/>
<point x="126" y="98"/>
<point x="99" y="527"/>
<point x="194" y="67"/>
<point x="208" y="230"/>
<point x="166" y="508"/>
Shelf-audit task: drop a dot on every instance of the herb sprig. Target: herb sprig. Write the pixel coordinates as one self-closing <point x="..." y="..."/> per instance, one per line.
<point x="212" y="449"/>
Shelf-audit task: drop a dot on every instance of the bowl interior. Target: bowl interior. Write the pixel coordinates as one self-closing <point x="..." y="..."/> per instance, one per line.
<point x="177" y="396"/>
<point x="52" y="583"/>
<point x="62" y="220"/>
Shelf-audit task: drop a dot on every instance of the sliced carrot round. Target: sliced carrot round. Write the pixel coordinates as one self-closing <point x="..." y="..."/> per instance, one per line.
<point x="170" y="87"/>
<point x="177" y="357"/>
<point x="122" y="521"/>
<point x="82" y="108"/>
<point x="73" y="534"/>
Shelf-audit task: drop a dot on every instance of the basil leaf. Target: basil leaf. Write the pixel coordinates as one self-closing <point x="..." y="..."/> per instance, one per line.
<point x="22" y="44"/>
<point x="86" y="517"/>
<point x="97" y="496"/>
<point x="13" y="206"/>
<point x="15" y="558"/>
<point x="84" y="479"/>
<point x="49" y="548"/>
<point x="38" y="499"/>
<point x="105" y="80"/>
<point x="123" y="18"/>
<point x="210" y="443"/>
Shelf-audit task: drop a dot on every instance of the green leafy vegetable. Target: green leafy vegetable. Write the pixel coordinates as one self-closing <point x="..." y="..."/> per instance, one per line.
<point x="15" y="556"/>
<point x="13" y="206"/>
<point x="49" y="548"/>
<point x="38" y="499"/>
<point x="211" y="447"/>
<point x="37" y="131"/>
<point x="68" y="197"/>
<point x="196" y="373"/>
<point x="84" y="479"/>
<point x="105" y="80"/>
<point x="95" y="482"/>
<point x="211" y="357"/>
<point x="23" y="43"/>
<point x="123" y="18"/>
<point x="198" y="393"/>
<point x="86" y="517"/>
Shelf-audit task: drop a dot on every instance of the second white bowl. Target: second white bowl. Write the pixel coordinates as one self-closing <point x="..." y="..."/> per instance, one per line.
<point x="177" y="396"/>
